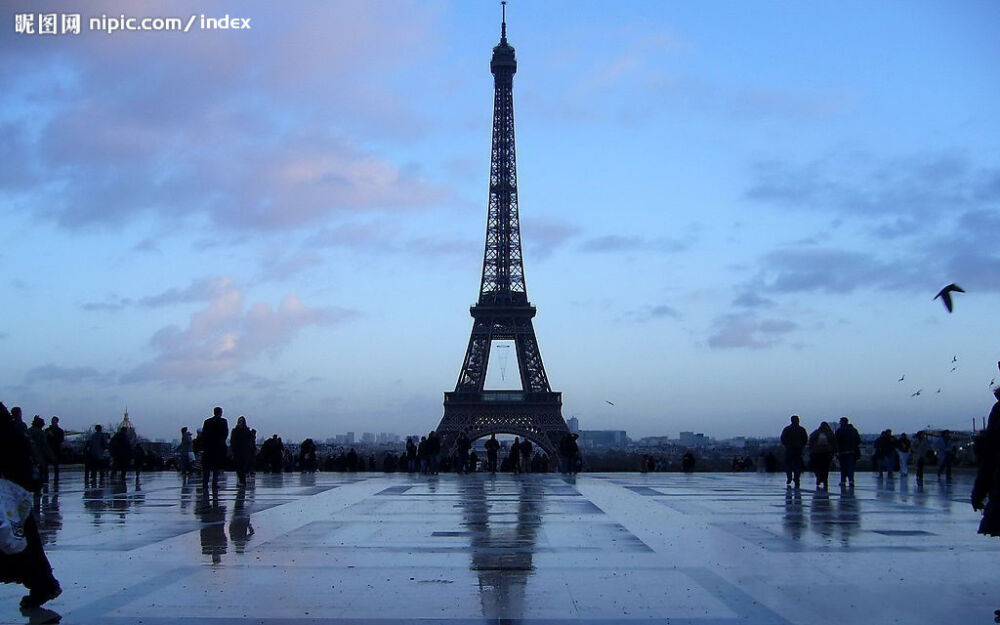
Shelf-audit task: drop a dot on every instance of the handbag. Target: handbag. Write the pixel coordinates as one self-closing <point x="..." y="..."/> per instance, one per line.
<point x="15" y="508"/>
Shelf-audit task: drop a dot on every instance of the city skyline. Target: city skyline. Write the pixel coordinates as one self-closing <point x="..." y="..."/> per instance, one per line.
<point x="729" y="215"/>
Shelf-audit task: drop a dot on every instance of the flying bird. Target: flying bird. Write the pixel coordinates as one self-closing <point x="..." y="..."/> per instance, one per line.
<point x="939" y="390"/>
<point x="954" y="368"/>
<point x="917" y="393"/>
<point x="607" y="402"/>
<point x="903" y="377"/>
<point x="954" y="358"/>
<point x="945" y="294"/>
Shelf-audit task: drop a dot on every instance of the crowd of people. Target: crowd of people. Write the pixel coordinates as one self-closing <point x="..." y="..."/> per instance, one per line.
<point x="891" y="453"/>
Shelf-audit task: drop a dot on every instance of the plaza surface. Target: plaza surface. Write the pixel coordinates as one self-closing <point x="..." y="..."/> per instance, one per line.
<point x="706" y="549"/>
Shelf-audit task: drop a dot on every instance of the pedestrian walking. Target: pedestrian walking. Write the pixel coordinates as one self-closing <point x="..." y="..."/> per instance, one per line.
<point x="241" y="444"/>
<point x="921" y="449"/>
<point x="56" y="436"/>
<point x="515" y="455"/>
<point x="794" y="438"/>
<point x="463" y="445"/>
<point x="185" y="454"/>
<point x="903" y="447"/>
<point x="121" y="452"/>
<point x="946" y="454"/>
<point x="214" y="432"/>
<point x="95" y="456"/>
<point x="526" y="449"/>
<point x="492" y="449"/>
<point x="822" y="446"/>
<point x="848" y="451"/>
<point x="41" y="450"/>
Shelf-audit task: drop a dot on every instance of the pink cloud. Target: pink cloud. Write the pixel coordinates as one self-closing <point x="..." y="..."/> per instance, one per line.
<point x="220" y="338"/>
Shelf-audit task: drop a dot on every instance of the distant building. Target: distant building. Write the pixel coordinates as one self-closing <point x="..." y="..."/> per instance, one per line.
<point x="574" y="425"/>
<point x="368" y="437"/>
<point x="349" y="438"/>
<point x="690" y="439"/>
<point x="655" y="441"/>
<point x="603" y="438"/>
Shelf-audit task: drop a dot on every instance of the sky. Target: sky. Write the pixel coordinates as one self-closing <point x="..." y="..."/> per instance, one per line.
<point x="731" y="212"/>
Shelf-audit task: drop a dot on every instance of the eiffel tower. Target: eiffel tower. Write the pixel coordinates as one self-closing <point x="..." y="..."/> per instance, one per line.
<point x="503" y="312"/>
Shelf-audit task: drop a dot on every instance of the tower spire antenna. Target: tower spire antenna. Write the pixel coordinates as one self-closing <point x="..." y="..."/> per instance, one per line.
<point x="503" y="20"/>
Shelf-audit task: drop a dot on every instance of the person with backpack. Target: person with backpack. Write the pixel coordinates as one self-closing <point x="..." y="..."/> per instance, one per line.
<point x="822" y="446"/>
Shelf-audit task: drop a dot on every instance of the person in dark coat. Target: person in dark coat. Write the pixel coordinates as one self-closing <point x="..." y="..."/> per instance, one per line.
<point x="848" y="450"/>
<point x="56" y="436"/>
<point x="986" y="489"/>
<point x="307" y="455"/>
<point x="463" y="445"/>
<point x="526" y="449"/>
<point x="411" y="455"/>
<point x="43" y="452"/>
<point x="492" y="448"/>
<point x="434" y="451"/>
<point x="95" y="456"/>
<point x="139" y="458"/>
<point x="30" y="567"/>
<point x="214" y="432"/>
<point x="121" y="452"/>
<point x="515" y="455"/>
<point x="794" y="437"/>
<point x="241" y="442"/>
<point x="822" y="446"/>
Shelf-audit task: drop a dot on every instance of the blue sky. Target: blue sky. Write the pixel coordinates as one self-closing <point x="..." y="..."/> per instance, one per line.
<point x="731" y="212"/>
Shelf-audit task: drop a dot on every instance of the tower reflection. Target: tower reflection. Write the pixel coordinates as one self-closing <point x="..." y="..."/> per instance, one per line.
<point x="503" y="527"/>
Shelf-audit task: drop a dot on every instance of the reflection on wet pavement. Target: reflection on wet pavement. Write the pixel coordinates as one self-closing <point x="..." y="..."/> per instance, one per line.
<point x="614" y="548"/>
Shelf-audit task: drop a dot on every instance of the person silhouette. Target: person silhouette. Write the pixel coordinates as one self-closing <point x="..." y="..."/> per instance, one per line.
<point x="794" y="437"/>
<point x="214" y="432"/>
<point x="492" y="449"/>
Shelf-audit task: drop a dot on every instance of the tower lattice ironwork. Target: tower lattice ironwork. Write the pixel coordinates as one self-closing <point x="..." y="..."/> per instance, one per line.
<point x="503" y="311"/>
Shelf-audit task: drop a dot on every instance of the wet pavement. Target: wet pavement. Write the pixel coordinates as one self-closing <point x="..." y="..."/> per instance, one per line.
<point x="707" y="549"/>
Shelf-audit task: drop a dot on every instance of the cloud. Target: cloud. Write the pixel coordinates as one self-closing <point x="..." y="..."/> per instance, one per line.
<point x="355" y="235"/>
<point x="905" y="195"/>
<point x="257" y="133"/>
<point x="829" y="270"/>
<point x="542" y="237"/>
<point x="280" y="267"/>
<point x="438" y="247"/>
<point x="225" y="335"/>
<point x="969" y="253"/>
<point x="745" y="330"/>
<point x="63" y="375"/>
<point x="632" y="243"/>
<point x="652" y="313"/>
<point x="112" y="305"/>
<point x="750" y="299"/>
<point x="198" y="291"/>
